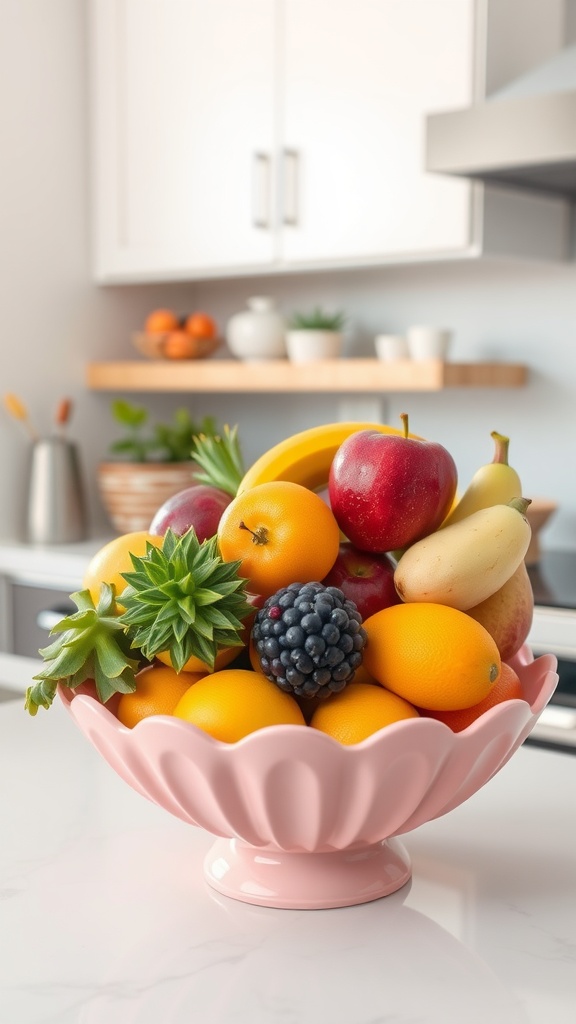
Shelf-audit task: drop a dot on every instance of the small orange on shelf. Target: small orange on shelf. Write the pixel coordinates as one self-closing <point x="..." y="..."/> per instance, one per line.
<point x="159" y="321"/>
<point x="158" y="690"/>
<point x="179" y="345"/>
<point x="200" y="325"/>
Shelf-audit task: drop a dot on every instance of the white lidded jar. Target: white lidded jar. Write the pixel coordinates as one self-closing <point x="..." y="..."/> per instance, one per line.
<point x="258" y="332"/>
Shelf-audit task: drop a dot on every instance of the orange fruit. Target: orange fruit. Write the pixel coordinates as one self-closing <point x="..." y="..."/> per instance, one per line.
<point x="359" y="711"/>
<point x="235" y="702"/>
<point x="114" y="558"/>
<point x="282" y="533"/>
<point x="158" y="690"/>
<point x="200" y="325"/>
<point x="506" y="687"/>
<point x="179" y="345"/>
<point x="223" y="658"/>
<point x="362" y="675"/>
<point x="436" y="657"/>
<point x="159" y="321"/>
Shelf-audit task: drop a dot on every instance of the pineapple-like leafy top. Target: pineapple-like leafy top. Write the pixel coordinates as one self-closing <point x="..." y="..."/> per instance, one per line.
<point x="220" y="458"/>
<point x="93" y="645"/>
<point x="183" y="598"/>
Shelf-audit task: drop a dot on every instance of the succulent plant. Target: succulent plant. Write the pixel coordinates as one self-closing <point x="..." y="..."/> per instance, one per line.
<point x="184" y="599"/>
<point x="317" y="320"/>
<point x="220" y="458"/>
<point x="93" y="645"/>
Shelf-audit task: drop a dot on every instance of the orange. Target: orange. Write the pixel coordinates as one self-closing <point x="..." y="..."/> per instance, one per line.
<point x="178" y="345"/>
<point x="114" y="558"/>
<point x="235" y="702"/>
<point x="436" y="657"/>
<point x="359" y="711"/>
<point x="506" y="687"/>
<point x="282" y="533"/>
<point x="200" y="325"/>
<point x="158" y="690"/>
<point x="160" y="321"/>
<point x="361" y="675"/>
<point x="223" y="658"/>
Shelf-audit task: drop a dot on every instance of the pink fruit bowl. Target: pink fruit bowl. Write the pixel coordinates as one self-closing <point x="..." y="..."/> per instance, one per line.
<point x="306" y="823"/>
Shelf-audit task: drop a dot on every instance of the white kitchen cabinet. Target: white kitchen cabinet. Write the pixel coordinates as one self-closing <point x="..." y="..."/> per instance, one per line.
<point x="243" y="136"/>
<point x="183" y="123"/>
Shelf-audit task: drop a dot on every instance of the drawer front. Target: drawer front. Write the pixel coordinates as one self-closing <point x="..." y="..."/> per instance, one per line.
<point x="34" y="610"/>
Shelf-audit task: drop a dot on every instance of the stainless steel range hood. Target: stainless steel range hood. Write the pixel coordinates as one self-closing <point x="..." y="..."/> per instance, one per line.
<point x="523" y="136"/>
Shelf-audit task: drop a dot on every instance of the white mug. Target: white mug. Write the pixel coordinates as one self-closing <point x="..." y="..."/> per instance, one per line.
<point x="428" y="342"/>
<point x="390" y="346"/>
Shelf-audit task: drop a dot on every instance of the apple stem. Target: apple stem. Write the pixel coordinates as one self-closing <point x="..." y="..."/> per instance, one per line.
<point x="404" y="418"/>
<point x="259" y="536"/>
<point x="501" y="449"/>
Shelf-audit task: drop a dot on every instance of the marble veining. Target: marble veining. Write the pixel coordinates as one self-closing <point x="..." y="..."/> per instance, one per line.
<point x="106" y="918"/>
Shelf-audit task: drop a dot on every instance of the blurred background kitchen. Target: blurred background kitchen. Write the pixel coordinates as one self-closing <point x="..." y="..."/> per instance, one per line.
<point x="102" y="178"/>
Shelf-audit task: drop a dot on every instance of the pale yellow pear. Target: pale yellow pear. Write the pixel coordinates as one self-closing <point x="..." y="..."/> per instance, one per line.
<point x="507" y="614"/>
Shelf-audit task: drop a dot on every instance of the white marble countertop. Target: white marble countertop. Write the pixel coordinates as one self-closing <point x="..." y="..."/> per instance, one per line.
<point x="106" y="918"/>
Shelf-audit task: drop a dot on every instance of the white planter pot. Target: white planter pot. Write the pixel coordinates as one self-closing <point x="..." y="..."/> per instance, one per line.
<point x="428" y="342"/>
<point x="258" y="332"/>
<point x="307" y="346"/>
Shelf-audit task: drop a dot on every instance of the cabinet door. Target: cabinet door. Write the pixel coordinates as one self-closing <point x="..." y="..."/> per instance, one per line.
<point x="183" y="107"/>
<point x="359" y="77"/>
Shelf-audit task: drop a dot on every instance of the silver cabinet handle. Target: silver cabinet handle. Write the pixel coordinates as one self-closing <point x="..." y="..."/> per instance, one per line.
<point x="290" y="175"/>
<point x="261" y="190"/>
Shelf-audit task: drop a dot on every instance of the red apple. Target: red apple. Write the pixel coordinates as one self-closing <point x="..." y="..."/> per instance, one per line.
<point x="389" y="490"/>
<point x="366" y="579"/>
<point x="200" y="506"/>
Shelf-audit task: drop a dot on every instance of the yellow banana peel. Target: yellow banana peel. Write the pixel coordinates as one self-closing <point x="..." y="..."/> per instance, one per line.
<point x="493" y="484"/>
<point x="305" y="458"/>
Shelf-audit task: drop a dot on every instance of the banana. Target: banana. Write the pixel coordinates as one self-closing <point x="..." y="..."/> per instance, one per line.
<point x="494" y="484"/>
<point x="305" y="458"/>
<point x="465" y="563"/>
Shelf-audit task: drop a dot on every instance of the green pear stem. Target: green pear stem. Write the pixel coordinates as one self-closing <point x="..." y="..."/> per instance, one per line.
<point x="501" y="449"/>
<point x="520" y="504"/>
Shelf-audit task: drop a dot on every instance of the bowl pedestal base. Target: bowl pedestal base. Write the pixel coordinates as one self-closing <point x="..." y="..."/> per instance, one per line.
<point x="306" y="881"/>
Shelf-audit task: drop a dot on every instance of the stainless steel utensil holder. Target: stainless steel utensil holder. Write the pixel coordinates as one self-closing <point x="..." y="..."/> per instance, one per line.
<point x="56" y="510"/>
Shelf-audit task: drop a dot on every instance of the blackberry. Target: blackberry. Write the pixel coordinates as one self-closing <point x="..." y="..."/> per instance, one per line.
<point x="309" y="639"/>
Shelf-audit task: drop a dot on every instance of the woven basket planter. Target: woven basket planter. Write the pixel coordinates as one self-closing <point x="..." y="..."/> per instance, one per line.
<point x="132" y="492"/>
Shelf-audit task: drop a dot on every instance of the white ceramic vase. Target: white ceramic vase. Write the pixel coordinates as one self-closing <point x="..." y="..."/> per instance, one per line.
<point x="307" y="346"/>
<point x="258" y="332"/>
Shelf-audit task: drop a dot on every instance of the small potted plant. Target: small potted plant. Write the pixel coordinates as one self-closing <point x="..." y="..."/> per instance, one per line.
<point x="315" y="335"/>
<point x="149" y="464"/>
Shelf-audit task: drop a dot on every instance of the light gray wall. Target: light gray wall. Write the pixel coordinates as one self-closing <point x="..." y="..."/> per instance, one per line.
<point x="54" y="320"/>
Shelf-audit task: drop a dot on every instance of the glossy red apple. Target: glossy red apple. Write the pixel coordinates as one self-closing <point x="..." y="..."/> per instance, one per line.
<point x="366" y="579"/>
<point x="389" y="490"/>
<point x="200" y="506"/>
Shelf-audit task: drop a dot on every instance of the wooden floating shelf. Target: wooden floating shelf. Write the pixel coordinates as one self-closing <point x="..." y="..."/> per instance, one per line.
<point x="345" y="376"/>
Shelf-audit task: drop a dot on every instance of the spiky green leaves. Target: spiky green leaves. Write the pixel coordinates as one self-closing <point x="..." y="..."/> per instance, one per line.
<point x="184" y="599"/>
<point x="220" y="457"/>
<point x="93" y="645"/>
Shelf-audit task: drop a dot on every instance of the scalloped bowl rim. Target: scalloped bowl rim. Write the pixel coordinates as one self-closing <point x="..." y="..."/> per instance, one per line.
<point x="540" y="699"/>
